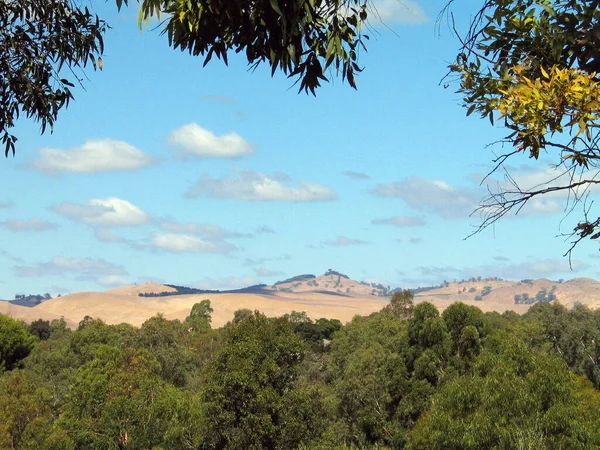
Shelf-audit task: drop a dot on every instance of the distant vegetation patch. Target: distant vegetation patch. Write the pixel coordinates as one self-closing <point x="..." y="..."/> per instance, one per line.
<point x="184" y="290"/>
<point x="307" y="276"/>
<point x="337" y="274"/>
<point x="30" y="299"/>
<point x="543" y="296"/>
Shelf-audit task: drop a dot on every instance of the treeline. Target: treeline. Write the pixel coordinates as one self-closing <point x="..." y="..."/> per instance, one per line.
<point x="184" y="290"/>
<point x="405" y="377"/>
<point x="30" y="299"/>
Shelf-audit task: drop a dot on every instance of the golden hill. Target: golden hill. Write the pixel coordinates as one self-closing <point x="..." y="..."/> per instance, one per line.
<point x="331" y="295"/>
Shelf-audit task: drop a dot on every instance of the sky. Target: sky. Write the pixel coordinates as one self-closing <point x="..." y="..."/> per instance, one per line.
<point x="219" y="177"/>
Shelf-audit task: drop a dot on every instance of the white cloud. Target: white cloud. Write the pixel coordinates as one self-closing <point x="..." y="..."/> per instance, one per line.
<point x="435" y="196"/>
<point x="253" y="186"/>
<point x="390" y="12"/>
<point x="192" y="139"/>
<point x="110" y="212"/>
<point x="182" y="243"/>
<point x="86" y="268"/>
<point x="226" y="283"/>
<point x="112" y="281"/>
<point x="93" y="156"/>
<point x="28" y="225"/>
<point x="400" y="221"/>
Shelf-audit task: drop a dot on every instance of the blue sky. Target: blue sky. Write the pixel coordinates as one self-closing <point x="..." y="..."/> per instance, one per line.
<point x="220" y="177"/>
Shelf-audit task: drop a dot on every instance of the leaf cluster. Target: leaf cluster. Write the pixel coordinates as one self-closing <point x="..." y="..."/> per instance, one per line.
<point x="302" y="38"/>
<point x="42" y="42"/>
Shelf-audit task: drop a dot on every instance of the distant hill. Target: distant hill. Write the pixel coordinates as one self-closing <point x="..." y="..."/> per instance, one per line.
<point x="517" y="294"/>
<point x="331" y="282"/>
<point x="332" y="295"/>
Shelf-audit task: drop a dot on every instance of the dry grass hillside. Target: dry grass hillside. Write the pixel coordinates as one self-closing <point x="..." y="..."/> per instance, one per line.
<point x="331" y="295"/>
<point x="124" y="305"/>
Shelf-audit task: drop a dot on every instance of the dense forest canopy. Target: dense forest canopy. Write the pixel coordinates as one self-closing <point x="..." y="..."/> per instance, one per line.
<point x="405" y="377"/>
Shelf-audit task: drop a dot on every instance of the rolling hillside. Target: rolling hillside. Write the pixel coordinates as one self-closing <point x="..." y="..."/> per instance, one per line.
<point x="331" y="295"/>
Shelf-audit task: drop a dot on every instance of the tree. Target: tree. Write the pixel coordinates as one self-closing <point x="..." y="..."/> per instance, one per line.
<point x="199" y="318"/>
<point x="302" y="38"/>
<point x="15" y="342"/>
<point x="401" y="304"/>
<point x="534" y="64"/>
<point x="46" y="44"/>
<point x="43" y="42"/>
<point x="248" y="382"/>
<point x="41" y="329"/>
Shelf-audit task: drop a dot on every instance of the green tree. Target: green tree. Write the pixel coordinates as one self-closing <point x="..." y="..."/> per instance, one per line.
<point x="165" y="340"/>
<point x="534" y="64"/>
<point x="41" y="329"/>
<point x="15" y="342"/>
<point x="21" y="403"/>
<point x="248" y="382"/>
<point x="514" y="398"/>
<point x="302" y="38"/>
<point x="118" y="400"/>
<point x="241" y="314"/>
<point x="41" y="44"/>
<point x="401" y="305"/>
<point x="199" y="318"/>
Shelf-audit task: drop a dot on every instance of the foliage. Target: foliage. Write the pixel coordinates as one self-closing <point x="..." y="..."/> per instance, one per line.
<point x="461" y="379"/>
<point x="249" y="381"/>
<point x="302" y="38"/>
<point x="534" y="64"/>
<point x="41" y="329"/>
<point x="401" y="304"/>
<point x="41" y="43"/>
<point x="15" y="342"/>
<point x="199" y="318"/>
<point x="296" y="279"/>
<point x="512" y="399"/>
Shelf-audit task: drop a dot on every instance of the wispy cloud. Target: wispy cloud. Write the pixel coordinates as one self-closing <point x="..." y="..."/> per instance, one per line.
<point x="357" y="175"/>
<point x="6" y="204"/>
<point x="253" y="186"/>
<point x="504" y="269"/>
<point x="93" y="156"/>
<point x="82" y="268"/>
<point x="260" y="261"/>
<point x="183" y="243"/>
<point x="34" y="224"/>
<point x="264" y="229"/>
<point x="390" y="12"/>
<point x="200" y="229"/>
<point x="192" y="139"/>
<point x="109" y="212"/>
<point x="400" y="221"/>
<point x="262" y="272"/>
<point x="434" y="196"/>
<point x="343" y="241"/>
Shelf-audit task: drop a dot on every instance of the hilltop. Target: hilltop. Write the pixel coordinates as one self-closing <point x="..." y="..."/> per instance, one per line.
<point x="332" y="295"/>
